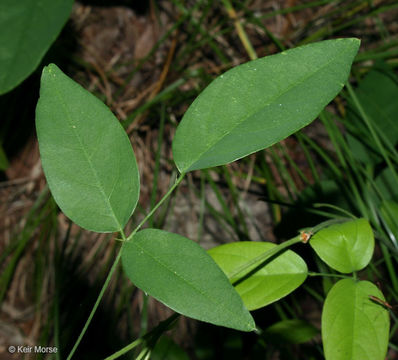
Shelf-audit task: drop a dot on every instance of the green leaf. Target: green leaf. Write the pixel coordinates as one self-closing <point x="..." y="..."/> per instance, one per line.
<point x="27" y="29"/>
<point x="86" y="155"/>
<point x="292" y="331"/>
<point x="257" y="104"/>
<point x="180" y="274"/>
<point x="353" y="326"/>
<point x="260" y="286"/>
<point x="345" y="247"/>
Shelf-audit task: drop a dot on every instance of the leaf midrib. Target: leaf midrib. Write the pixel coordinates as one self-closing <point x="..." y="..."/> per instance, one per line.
<point x="272" y="100"/>
<point x="219" y="304"/>
<point x="88" y="158"/>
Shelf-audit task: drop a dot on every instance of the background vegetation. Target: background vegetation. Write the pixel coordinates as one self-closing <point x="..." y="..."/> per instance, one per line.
<point x="147" y="62"/>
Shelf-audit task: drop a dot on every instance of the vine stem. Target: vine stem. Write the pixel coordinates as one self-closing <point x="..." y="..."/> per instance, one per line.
<point x="155" y="333"/>
<point x="264" y="256"/>
<point x="172" y="188"/>
<point x="99" y="298"/>
<point x="267" y="254"/>
<point x="116" y="262"/>
<point x="246" y="266"/>
<point x="127" y="348"/>
<point x="312" y="273"/>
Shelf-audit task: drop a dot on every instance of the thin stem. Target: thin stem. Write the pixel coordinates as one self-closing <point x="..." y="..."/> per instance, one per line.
<point x="125" y="349"/>
<point x="148" y="339"/>
<point x="267" y="254"/>
<point x="327" y="223"/>
<point x="311" y="273"/>
<point x="144" y="354"/>
<point x="99" y="298"/>
<point x="172" y="188"/>
<point x="115" y="263"/>
<point x="264" y="256"/>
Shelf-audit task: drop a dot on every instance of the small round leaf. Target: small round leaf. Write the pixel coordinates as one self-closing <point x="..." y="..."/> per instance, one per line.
<point x="346" y="247"/>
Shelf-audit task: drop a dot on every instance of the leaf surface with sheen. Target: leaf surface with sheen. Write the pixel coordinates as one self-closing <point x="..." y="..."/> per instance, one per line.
<point x="180" y="274"/>
<point x="86" y="155"/>
<point x="257" y="104"/>
<point x="346" y="247"/>
<point x="353" y="326"/>
<point x="27" y="29"/>
<point x="260" y="285"/>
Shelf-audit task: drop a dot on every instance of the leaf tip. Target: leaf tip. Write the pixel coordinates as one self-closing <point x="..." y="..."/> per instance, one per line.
<point x="250" y="325"/>
<point x="50" y="69"/>
<point x="357" y="41"/>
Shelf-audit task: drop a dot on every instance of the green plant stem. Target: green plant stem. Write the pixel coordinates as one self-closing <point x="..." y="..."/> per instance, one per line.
<point x="150" y="337"/>
<point x="264" y="256"/>
<point x="144" y="354"/>
<point x="115" y="263"/>
<point x="172" y="188"/>
<point x="99" y="298"/>
<point x="125" y="349"/>
<point x="311" y="273"/>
